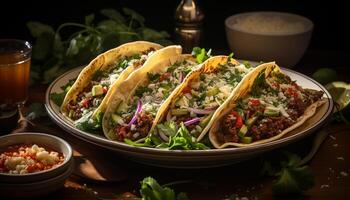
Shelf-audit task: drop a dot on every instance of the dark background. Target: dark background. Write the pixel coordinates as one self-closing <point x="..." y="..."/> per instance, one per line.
<point x="330" y="17"/>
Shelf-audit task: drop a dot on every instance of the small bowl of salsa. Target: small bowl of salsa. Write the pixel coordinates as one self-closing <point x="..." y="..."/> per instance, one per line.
<point x="28" y="159"/>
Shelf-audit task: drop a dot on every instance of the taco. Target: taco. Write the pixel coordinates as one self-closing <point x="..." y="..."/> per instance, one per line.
<point x="87" y="99"/>
<point x="134" y="109"/>
<point x="201" y="94"/>
<point x="264" y="108"/>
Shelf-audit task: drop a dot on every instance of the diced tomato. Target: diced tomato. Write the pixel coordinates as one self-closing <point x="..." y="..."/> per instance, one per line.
<point x="85" y="102"/>
<point x="292" y="92"/>
<point x="105" y="90"/>
<point x="239" y="119"/>
<point x="39" y="166"/>
<point x="121" y="132"/>
<point x="31" y="168"/>
<point x="254" y="102"/>
<point x="187" y="89"/>
<point x="276" y="85"/>
<point x="164" y="76"/>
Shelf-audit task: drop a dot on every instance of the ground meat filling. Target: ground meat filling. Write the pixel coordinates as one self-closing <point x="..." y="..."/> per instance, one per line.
<point x="265" y="127"/>
<point x="72" y="105"/>
<point x="268" y="127"/>
<point x="229" y="127"/>
<point x="136" y="131"/>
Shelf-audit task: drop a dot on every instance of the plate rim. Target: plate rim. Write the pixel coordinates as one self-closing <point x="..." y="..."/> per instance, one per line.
<point x="122" y="147"/>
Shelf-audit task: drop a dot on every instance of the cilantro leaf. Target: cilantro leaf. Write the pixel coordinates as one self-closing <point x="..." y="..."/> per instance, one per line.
<point x="68" y="85"/>
<point x="141" y="90"/>
<point x="86" y="123"/>
<point x="151" y="190"/>
<point x="113" y="14"/>
<point x="96" y="76"/>
<point x="184" y="140"/>
<point x="153" y="77"/>
<point x="58" y="98"/>
<point x="134" y="17"/>
<point x="292" y="178"/>
<point x="247" y="64"/>
<point x="230" y="55"/>
<point x="89" y="19"/>
<point x="201" y="54"/>
<point x="168" y="127"/>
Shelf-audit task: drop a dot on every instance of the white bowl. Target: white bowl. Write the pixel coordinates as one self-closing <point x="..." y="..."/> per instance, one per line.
<point x="275" y="36"/>
<point x="53" y="142"/>
<point x="36" y="188"/>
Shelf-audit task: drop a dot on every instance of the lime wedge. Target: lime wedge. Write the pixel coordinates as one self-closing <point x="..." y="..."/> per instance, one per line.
<point x="325" y="75"/>
<point x="340" y="92"/>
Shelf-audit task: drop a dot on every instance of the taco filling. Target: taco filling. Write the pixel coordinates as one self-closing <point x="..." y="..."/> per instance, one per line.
<point x="199" y="100"/>
<point x="92" y="95"/>
<point x="273" y="104"/>
<point x="133" y="119"/>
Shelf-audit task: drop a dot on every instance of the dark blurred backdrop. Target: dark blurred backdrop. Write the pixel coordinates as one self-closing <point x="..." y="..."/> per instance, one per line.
<point x="330" y="17"/>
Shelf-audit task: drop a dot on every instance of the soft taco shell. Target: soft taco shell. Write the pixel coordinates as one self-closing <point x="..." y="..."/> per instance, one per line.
<point x="207" y="67"/>
<point x="242" y="90"/>
<point x="103" y="62"/>
<point x="166" y="56"/>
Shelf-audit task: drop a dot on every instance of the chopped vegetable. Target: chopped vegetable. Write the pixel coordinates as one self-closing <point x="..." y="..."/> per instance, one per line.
<point x="179" y="111"/>
<point x="192" y="121"/>
<point x="242" y="131"/>
<point x="205" y="120"/>
<point x="271" y="112"/>
<point x="179" y="138"/>
<point x="239" y="119"/>
<point x="201" y="54"/>
<point x="97" y="90"/>
<point x="138" y="110"/>
<point x="201" y="111"/>
<point x="246" y="140"/>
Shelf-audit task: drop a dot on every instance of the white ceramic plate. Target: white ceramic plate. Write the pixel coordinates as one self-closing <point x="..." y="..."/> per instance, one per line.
<point x="195" y="158"/>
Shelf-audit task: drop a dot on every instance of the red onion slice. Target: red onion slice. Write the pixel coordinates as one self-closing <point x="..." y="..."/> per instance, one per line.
<point x="192" y="121"/>
<point x="181" y="77"/>
<point x="138" y="110"/>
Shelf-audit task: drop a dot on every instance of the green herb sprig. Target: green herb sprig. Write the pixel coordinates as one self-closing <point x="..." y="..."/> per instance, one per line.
<point x="75" y="44"/>
<point x="292" y="177"/>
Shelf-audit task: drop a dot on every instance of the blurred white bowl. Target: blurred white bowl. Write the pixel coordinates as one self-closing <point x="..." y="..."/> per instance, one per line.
<point x="269" y="36"/>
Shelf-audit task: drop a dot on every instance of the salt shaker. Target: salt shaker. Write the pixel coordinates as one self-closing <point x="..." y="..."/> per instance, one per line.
<point x="189" y="18"/>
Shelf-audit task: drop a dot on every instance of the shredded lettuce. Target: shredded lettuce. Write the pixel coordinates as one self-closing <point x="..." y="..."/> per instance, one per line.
<point x="86" y="123"/>
<point x="179" y="138"/>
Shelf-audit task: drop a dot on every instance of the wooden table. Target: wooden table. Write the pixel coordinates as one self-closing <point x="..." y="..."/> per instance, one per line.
<point x="331" y="165"/>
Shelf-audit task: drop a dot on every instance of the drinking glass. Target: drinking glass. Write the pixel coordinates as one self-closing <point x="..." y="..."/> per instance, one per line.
<point x="15" y="56"/>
